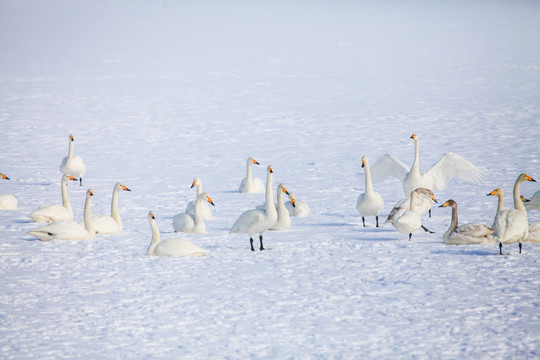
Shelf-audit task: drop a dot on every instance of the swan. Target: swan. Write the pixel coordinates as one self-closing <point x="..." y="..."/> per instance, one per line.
<point x="297" y="207"/>
<point x="257" y="221"/>
<point x="511" y="225"/>
<point x="422" y="205"/>
<point x="52" y="213"/>
<point x="534" y="233"/>
<point x="192" y="224"/>
<point x="534" y="202"/>
<point x="205" y="208"/>
<point x="112" y="224"/>
<point x="370" y="203"/>
<point x="283" y="221"/>
<point x="450" y="165"/>
<point x="466" y="234"/>
<point x="69" y="230"/>
<point x="73" y="165"/>
<point x="170" y="247"/>
<point x="409" y="221"/>
<point x="7" y="201"/>
<point x="251" y="184"/>
<point x="500" y="202"/>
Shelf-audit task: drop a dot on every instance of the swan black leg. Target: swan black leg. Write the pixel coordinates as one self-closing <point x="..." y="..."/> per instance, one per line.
<point x="251" y="241"/>
<point x="80" y="181"/>
<point x="520" y="246"/>
<point x="377" y="220"/>
<point x="427" y="230"/>
<point x="500" y="248"/>
<point x="364" y="221"/>
<point x="410" y="236"/>
<point x="260" y="239"/>
<point x="429" y="212"/>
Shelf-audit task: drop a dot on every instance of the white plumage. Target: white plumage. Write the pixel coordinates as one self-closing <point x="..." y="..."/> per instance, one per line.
<point x="206" y="212"/>
<point x="7" y="201"/>
<point x="73" y="165"/>
<point x="170" y="247"/>
<point x="466" y="234"/>
<point x="251" y="184"/>
<point x="409" y="221"/>
<point x="192" y="224"/>
<point x="53" y="212"/>
<point x="283" y="221"/>
<point x="534" y="202"/>
<point x="297" y="207"/>
<point x="110" y="224"/>
<point x="369" y="203"/>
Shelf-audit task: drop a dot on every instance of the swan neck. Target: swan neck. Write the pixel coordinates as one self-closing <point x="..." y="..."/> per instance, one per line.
<point x="115" y="214"/>
<point x="369" y="183"/>
<point x="197" y="210"/>
<point x="269" y="195"/>
<point x="156" y="238"/>
<point x="518" y="204"/>
<point x="500" y="202"/>
<point x="414" y="196"/>
<point x="65" y="198"/>
<point x="70" y="150"/>
<point x="88" y="223"/>
<point x="453" y="223"/>
<point x="199" y="188"/>
<point x="416" y="166"/>
<point x="248" y="172"/>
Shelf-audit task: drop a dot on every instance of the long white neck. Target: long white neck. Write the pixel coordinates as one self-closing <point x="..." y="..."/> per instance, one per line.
<point x="500" y="201"/>
<point x="156" y="238"/>
<point x="269" y="202"/>
<point x="197" y="212"/>
<point x="65" y="199"/>
<point x="453" y="222"/>
<point x="115" y="214"/>
<point x="199" y="188"/>
<point x="249" y="175"/>
<point x="414" y="195"/>
<point x="369" y="183"/>
<point x="88" y="223"/>
<point x="70" y="150"/>
<point x="518" y="204"/>
<point x="416" y="162"/>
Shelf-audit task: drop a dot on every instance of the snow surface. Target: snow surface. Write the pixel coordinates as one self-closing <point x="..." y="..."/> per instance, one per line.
<point x="158" y="92"/>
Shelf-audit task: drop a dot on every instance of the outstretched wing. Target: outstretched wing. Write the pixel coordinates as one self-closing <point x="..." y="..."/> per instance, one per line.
<point x="386" y="166"/>
<point x="452" y="165"/>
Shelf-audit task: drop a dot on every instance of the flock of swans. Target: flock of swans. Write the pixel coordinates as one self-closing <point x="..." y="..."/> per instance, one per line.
<point x="509" y="225"/>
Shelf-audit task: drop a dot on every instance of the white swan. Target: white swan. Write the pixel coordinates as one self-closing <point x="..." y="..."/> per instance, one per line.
<point x="409" y="221"/>
<point x="511" y="225"/>
<point x="500" y="202"/>
<point x="192" y="224"/>
<point x="251" y="184"/>
<point x="170" y="247"/>
<point x="112" y="224"/>
<point x="450" y="165"/>
<point x="370" y="203"/>
<point x="297" y="207"/>
<point x="73" y="165"/>
<point x="7" y="201"/>
<point x="69" y="230"/>
<point x="257" y="221"/>
<point x="283" y="221"/>
<point x="534" y="202"/>
<point x="422" y="205"/>
<point x="205" y="208"/>
<point x="52" y="213"/>
<point x="466" y="234"/>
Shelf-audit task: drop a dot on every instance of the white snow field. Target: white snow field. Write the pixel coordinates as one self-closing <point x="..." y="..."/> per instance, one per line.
<point x="159" y="92"/>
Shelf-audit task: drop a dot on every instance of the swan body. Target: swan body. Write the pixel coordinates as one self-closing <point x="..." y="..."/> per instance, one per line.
<point x="251" y="184"/>
<point x="205" y="208"/>
<point x="466" y="234"/>
<point x="297" y="207"/>
<point x="283" y="221"/>
<point x="534" y="202"/>
<point x="73" y="165"/>
<point x="257" y="221"/>
<point x="409" y="221"/>
<point x="511" y="225"/>
<point x="449" y="166"/>
<point x="52" y="213"/>
<point x="7" y="201"/>
<point x="534" y="233"/>
<point x="369" y="203"/>
<point x="422" y="205"/>
<point x="69" y="230"/>
<point x="192" y="224"/>
<point x="112" y="224"/>
<point x="170" y="247"/>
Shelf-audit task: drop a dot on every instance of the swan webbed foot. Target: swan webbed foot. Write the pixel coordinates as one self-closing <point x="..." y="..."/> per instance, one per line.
<point x="260" y="239"/>
<point x="377" y="220"/>
<point x="364" y="221"/>
<point x="427" y="230"/>
<point x="520" y="246"/>
<point x="251" y="242"/>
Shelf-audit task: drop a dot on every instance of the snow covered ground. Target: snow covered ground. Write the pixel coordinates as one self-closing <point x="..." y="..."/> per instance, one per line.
<point x="159" y="92"/>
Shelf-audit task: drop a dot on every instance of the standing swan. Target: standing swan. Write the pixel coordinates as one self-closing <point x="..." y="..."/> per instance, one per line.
<point x="112" y="224"/>
<point x="205" y="208"/>
<point x="466" y="234"/>
<point x="69" y="230"/>
<point x="251" y="184"/>
<point x="170" y="247"/>
<point x="511" y="225"/>
<point x="410" y="221"/>
<point x="258" y="220"/>
<point x="370" y="203"/>
<point x="192" y="224"/>
<point x="73" y="165"/>
<point x="450" y="165"/>
<point x="52" y="213"/>
<point x="7" y="201"/>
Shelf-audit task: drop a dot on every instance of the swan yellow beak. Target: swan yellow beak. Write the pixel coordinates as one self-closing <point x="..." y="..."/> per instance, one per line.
<point x="152" y="216"/>
<point x="433" y="198"/>
<point x="363" y="162"/>
<point x="5" y="177"/>
<point x="285" y="190"/>
<point x="413" y="136"/>
<point x="256" y="162"/>
<point x="293" y="202"/>
<point x="210" y="201"/>
<point x="72" y="178"/>
<point x="271" y="169"/>
<point x="494" y="192"/>
<point x="193" y="184"/>
<point x="125" y="188"/>
<point x="90" y="192"/>
<point x="444" y="205"/>
<point x="72" y="138"/>
<point x="529" y="178"/>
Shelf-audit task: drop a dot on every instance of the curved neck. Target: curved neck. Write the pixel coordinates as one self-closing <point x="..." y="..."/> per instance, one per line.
<point x="269" y="202"/>
<point x="369" y="183"/>
<point x="65" y="199"/>
<point x="518" y="204"/>
<point x="88" y="223"/>
<point x="500" y="201"/>
<point x="416" y="166"/>
<point x="280" y="201"/>
<point x="156" y="238"/>
<point x="453" y="222"/>
<point x="115" y="214"/>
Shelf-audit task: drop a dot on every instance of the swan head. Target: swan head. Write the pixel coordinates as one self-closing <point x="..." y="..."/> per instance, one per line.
<point x="414" y="136"/>
<point x="151" y="216"/>
<point x="89" y="193"/>
<point x="525" y="177"/>
<point x="69" y="177"/>
<point x="270" y="169"/>
<point x="292" y="198"/>
<point x="524" y="199"/>
<point x="426" y="192"/>
<point x="497" y="191"/>
<point x="450" y="203"/>
<point x="252" y="160"/>
<point x="282" y="187"/>
<point x="364" y="161"/>
<point x="4" y="176"/>
<point x="123" y="187"/>
<point x="207" y="197"/>
<point x="195" y="182"/>
<point x="71" y="137"/>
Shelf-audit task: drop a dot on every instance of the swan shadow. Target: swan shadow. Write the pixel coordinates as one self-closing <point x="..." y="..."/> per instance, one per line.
<point x="471" y="253"/>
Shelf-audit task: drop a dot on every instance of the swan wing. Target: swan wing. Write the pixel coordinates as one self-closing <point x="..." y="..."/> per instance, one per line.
<point x="105" y="224"/>
<point x="452" y="165"/>
<point x="183" y="222"/>
<point x="474" y="230"/>
<point x="178" y="247"/>
<point x="249" y="222"/>
<point x="386" y="166"/>
<point x="51" y="213"/>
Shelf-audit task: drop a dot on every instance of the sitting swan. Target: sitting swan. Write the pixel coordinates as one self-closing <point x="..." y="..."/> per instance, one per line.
<point x="7" y="201"/>
<point x="533" y="203"/>
<point x="283" y="221"/>
<point x="251" y="184"/>
<point x="450" y="165"/>
<point x="52" y="213"/>
<point x="170" y="247"/>
<point x="112" y="224"/>
<point x="467" y="234"/>
<point x="370" y="203"/>
<point x="73" y="165"/>
<point x="69" y="230"/>
<point x="409" y="221"/>
<point x="297" y="207"/>
<point x="511" y="225"/>
<point x="205" y="208"/>
<point x="257" y="221"/>
<point x="534" y="233"/>
<point x="192" y="224"/>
